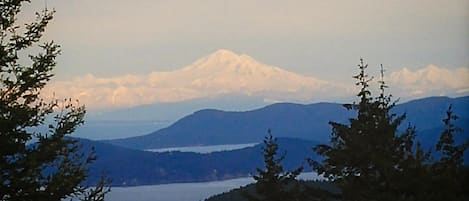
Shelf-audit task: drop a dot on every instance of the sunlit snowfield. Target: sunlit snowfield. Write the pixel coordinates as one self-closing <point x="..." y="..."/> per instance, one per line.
<point x="205" y="149"/>
<point x="183" y="191"/>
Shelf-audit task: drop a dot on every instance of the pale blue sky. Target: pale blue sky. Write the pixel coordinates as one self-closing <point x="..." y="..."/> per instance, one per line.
<point x="324" y="39"/>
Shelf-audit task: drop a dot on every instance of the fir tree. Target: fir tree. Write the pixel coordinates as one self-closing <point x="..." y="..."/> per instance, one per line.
<point x="450" y="176"/>
<point x="37" y="160"/>
<point x="368" y="159"/>
<point x="273" y="183"/>
<point x="366" y="156"/>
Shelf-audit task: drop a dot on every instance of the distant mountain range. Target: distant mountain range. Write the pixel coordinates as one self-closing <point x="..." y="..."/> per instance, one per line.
<point x="310" y="122"/>
<point x="144" y="103"/>
<point x="134" y="105"/>
<point x="299" y="128"/>
<point x="129" y="167"/>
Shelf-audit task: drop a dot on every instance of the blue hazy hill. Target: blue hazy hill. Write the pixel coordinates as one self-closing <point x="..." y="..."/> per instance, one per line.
<point x="211" y="127"/>
<point x="143" y="119"/>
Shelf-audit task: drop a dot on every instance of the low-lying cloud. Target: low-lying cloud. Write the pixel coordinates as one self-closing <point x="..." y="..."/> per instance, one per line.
<point x="429" y="81"/>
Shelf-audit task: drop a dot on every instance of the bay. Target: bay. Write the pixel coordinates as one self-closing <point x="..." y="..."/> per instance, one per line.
<point x="184" y="191"/>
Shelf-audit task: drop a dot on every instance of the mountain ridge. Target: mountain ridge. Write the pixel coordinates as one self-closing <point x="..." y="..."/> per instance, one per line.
<point x="211" y="127"/>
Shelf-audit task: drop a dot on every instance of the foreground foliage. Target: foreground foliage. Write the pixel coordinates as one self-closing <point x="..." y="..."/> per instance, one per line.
<point x="37" y="160"/>
<point x="273" y="183"/>
<point x="370" y="159"/>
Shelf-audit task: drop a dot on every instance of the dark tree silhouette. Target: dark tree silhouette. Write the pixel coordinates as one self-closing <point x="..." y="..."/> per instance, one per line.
<point x="37" y="160"/>
<point x="450" y="178"/>
<point x="361" y="155"/>
<point x="368" y="159"/>
<point x="273" y="183"/>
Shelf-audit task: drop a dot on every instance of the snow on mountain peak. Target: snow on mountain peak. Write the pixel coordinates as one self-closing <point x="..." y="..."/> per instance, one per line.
<point x="222" y="72"/>
<point x="219" y="57"/>
<point x="223" y="54"/>
<point x="227" y="72"/>
<point x="229" y="62"/>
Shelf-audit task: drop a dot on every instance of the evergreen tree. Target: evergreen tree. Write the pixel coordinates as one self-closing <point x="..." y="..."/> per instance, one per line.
<point x="368" y="159"/>
<point x="37" y="160"/>
<point x="273" y="183"/>
<point x="452" y="154"/>
<point x="366" y="156"/>
<point x="444" y="178"/>
<point x="450" y="176"/>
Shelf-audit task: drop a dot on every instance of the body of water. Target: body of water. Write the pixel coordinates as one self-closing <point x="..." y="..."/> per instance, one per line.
<point x="183" y="191"/>
<point x="205" y="149"/>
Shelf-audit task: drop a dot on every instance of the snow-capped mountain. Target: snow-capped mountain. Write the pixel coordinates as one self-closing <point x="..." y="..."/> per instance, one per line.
<point x="226" y="72"/>
<point x="220" y="73"/>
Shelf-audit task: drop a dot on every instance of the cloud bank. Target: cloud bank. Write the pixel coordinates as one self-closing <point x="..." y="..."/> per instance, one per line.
<point x="430" y="81"/>
<point x="226" y="73"/>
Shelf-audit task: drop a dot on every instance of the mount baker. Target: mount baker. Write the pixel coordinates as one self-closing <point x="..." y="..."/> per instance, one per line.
<point x="220" y="73"/>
